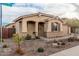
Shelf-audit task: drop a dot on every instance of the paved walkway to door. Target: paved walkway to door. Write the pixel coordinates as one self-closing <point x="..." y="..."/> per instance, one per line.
<point x="74" y="51"/>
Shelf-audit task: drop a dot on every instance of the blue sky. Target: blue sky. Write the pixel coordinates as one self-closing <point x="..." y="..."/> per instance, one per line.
<point x="0" y="15"/>
<point x="11" y="11"/>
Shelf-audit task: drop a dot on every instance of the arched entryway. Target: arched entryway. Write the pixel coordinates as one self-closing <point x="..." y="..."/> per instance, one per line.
<point x="41" y="29"/>
<point x="30" y="27"/>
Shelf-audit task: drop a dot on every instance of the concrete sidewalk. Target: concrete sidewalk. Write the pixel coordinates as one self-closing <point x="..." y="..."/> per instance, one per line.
<point x="74" y="51"/>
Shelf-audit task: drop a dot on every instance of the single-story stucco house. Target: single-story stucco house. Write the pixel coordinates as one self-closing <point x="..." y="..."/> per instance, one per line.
<point x="42" y="24"/>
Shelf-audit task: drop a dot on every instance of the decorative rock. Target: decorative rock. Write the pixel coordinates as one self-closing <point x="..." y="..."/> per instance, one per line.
<point x="7" y="50"/>
<point x="54" y="44"/>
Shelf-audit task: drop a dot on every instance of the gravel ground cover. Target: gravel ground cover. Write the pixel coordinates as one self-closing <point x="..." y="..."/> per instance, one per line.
<point x="30" y="47"/>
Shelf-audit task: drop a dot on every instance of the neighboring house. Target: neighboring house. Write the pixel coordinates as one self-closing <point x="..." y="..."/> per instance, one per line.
<point x="74" y="24"/>
<point x="8" y="30"/>
<point x="75" y="30"/>
<point x="42" y="24"/>
<point x="10" y="25"/>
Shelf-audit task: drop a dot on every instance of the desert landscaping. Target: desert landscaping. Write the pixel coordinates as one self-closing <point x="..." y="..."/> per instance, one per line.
<point x="36" y="47"/>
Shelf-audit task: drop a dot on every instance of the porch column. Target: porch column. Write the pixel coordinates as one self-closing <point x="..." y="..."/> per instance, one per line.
<point x="45" y="26"/>
<point x="36" y="28"/>
<point x="24" y="26"/>
<point x="61" y="29"/>
<point x="17" y="27"/>
<point x="49" y="27"/>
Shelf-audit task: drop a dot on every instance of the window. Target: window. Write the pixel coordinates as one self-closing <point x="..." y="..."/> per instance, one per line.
<point x="55" y="27"/>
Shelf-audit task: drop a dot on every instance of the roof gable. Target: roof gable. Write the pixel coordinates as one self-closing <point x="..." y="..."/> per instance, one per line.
<point x="39" y="14"/>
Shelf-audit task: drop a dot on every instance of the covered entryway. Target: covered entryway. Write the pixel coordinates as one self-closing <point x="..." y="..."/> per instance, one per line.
<point x="40" y="29"/>
<point x="30" y="27"/>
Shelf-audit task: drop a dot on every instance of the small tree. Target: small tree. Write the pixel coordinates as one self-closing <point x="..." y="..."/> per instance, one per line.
<point x="18" y="40"/>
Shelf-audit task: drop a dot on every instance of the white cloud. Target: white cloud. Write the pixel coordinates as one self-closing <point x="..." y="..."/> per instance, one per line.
<point x="62" y="10"/>
<point x="71" y="15"/>
<point x="11" y="13"/>
<point x="59" y="9"/>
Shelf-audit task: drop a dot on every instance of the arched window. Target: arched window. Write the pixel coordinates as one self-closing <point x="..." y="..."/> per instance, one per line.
<point x="55" y="26"/>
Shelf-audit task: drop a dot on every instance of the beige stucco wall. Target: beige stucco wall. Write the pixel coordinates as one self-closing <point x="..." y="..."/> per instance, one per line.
<point x="50" y="33"/>
<point x="53" y="21"/>
<point x="47" y="26"/>
<point x="36" y="19"/>
<point x="66" y="29"/>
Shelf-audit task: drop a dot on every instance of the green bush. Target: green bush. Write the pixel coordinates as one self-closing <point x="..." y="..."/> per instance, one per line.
<point x="28" y="37"/>
<point x="40" y="49"/>
<point x="37" y="37"/>
<point x="71" y="39"/>
<point x="5" y="46"/>
<point x="63" y="43"/>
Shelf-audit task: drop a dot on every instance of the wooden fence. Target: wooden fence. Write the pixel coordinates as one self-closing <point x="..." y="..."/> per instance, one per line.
<point x="8" y="32"/>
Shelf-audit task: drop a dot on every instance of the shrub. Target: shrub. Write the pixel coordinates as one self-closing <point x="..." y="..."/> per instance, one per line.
<point x="2" y="40"/>
<point x="5" y="46"/>
<point x="54" y="41"/>
<point x="34" y="33"/>
<point x="40" y="49"/>
<point x="37" y="37"/>
<point x="28" y="37"/>
<point x="63" y="43"/>
<point x="71" y="39"/>
<point x="58" y="43"/>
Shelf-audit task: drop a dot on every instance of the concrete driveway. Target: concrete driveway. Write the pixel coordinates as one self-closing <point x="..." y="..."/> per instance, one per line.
<point x="74" y="51"/>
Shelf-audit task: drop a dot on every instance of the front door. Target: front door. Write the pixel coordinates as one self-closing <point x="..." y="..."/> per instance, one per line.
<point x="30" y="27"/>
<point x="41" y="29"/>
